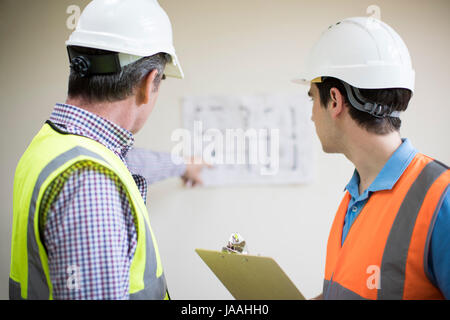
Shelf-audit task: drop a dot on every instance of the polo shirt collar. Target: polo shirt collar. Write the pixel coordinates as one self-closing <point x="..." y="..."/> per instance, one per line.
<point x="389" y="174"/>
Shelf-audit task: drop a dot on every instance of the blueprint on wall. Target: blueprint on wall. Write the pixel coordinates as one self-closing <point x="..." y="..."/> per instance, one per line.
<point x="275" y="132"/>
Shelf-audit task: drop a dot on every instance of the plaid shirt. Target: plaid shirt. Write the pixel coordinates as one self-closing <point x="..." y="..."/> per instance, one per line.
<point x="85" y="218"/>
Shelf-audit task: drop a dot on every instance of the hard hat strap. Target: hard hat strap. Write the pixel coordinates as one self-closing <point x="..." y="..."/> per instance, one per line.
<point x="89" y="64"/>
<point x="362" y="104"/>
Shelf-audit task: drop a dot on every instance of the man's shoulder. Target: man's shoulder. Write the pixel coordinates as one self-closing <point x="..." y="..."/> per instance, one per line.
<point x="423" y="160"/>
<point x="86" y="170"/>
<point x="83" y="182"/>
<point x="84" y="176"/>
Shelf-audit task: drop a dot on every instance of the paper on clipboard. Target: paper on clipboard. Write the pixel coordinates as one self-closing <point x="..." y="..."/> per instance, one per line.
<point x="249" y="277"/>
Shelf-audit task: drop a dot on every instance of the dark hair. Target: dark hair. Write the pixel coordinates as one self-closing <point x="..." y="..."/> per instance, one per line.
<point x="115" y="86"/>
<point x="397" y="98"/>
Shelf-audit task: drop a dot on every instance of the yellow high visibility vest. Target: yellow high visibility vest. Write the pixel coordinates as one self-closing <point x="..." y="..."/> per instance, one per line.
<point x="50" y="153"/>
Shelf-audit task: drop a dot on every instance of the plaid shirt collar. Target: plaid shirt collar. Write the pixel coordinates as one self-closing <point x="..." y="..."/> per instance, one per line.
<point x="78" y="121"/>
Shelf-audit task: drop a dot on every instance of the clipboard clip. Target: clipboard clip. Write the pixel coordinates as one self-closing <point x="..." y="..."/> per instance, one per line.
<point x="236" y="244"/>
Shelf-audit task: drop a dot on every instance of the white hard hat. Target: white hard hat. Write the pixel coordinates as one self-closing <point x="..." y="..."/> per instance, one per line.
<point x="133" y="28"/>
<point x="364" y="52"/>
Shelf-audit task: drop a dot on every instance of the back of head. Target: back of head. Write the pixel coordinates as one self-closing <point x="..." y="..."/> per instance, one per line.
<point x="117" y="86"/>
<point x="397" y="99"/>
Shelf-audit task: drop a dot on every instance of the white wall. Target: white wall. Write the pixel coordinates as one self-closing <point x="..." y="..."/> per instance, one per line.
<point x="225" y="47"/>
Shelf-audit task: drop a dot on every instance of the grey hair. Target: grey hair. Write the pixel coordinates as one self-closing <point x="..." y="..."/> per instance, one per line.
<point x="116" y="86"/>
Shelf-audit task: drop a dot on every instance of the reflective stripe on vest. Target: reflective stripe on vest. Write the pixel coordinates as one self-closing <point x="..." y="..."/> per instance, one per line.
<point x="399" y="247"/>
<point x="54" y="153"/>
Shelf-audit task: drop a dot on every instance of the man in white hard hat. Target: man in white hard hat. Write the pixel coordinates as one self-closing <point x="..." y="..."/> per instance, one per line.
<point x="389" y="238"/>
<point x="81" y="228"/>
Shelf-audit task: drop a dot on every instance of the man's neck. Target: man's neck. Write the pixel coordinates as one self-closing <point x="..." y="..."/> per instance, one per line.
<point x="119" y="112"/>
<point x="369" y="153"/>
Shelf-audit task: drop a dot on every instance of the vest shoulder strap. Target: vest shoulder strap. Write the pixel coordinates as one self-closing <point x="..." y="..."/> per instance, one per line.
<point x="398" y="243"/>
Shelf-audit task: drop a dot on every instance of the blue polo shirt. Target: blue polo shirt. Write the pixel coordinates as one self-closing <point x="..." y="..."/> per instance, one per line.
<point x="439" y="252"/>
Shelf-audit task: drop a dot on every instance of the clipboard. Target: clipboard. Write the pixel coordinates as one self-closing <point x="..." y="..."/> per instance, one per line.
<point x="249" y="277"/>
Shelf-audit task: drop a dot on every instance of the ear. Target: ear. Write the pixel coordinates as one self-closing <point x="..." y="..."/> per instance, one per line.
<point x="147" y="88"/>
<point x="336" y="103"/>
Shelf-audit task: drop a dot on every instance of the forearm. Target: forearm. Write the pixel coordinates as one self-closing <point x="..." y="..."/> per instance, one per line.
<point x="153" y="166"/>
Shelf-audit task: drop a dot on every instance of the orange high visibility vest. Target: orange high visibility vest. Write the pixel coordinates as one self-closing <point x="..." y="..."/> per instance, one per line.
<point x="385" y="254"/>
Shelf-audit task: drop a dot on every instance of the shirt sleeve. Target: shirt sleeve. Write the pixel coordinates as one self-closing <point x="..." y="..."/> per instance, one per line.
<point x="154" y="166"/>
<point x="90" y="236"/>
<point x="439" y="254"/>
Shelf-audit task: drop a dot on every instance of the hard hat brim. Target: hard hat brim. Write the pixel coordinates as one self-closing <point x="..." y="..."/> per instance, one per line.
<point x="381" y="77"/>
<point x="305" y="81"/>
<point x="173" y="69"/>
